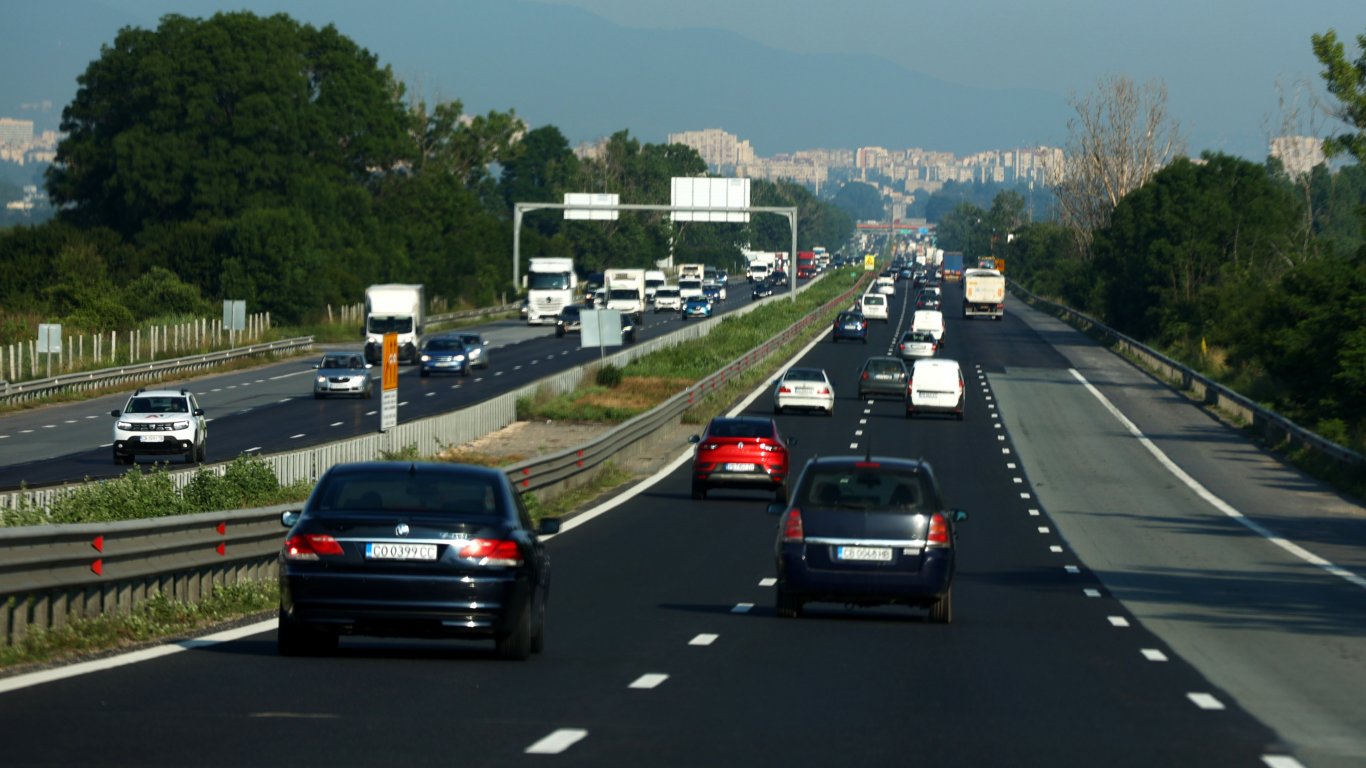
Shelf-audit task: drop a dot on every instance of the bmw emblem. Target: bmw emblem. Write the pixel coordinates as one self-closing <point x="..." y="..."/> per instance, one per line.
<point x="401" y="529"/>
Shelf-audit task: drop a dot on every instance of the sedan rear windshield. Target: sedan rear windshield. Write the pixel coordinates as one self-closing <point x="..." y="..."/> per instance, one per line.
<point x="868" y="489"/>
<point x="410" y="494"/>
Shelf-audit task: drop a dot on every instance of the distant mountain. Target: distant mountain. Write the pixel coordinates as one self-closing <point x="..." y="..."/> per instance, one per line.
<point x="567" y="67"/>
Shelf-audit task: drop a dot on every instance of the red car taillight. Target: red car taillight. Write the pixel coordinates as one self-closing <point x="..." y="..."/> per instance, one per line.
<point x="784" y="390"/>
<point x="864" y="376"/>
<point x="492" y="552"/>
<point x="309" y="546"/>
<point x="792" y="526"/>
<point x="939" y="532"/>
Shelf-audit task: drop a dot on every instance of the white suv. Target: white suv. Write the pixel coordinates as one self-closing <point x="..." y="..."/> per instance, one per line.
<point x="162" y="422"/>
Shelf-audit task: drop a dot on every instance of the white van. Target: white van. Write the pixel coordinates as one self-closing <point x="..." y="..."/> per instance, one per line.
<point x="931" y="320"/>
<point x="873" y="305"/>
<point x="936" y="386"/>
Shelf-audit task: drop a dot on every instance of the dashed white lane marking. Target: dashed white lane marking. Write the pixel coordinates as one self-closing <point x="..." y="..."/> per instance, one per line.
<point x="1091" y="592"/>
<point x="862" y="422"/>
<point x="1010" y="465"/>
<point x="71" y="421"/>
<point x="252" y="449"/>
<point x="296" y="437"/>
<point x="557" y="742"/>
<point x="4" y="437"/>
<point x="1152" y="654"/>
<point x="1071" y="569"/>
<point x="742" y="608"/>
<point x="853" y="446"/>
<point x="647" y="681"/>
<point x="1118" y="621"/>
<point x="1017" y="480"/>
<point x="1281" y="761"/>
<point x="1215" y="501"/>
<point x="429" y="394"/>
<point x="703" y="639"/>
<point x="1005" y="451"/>
<point x="516" y="367"/>
<point x="49" y="426"/>
<point x="1033" y="513"/>
<point x="1043" y="529"/>
<point x="767" y="582"/>
<point x="25" y="431"/>
<point x="1205" y="701"/>
<point x="1024" y="495"/>
<point x="1002" y="438"/>
<point x="1055" y="549"/>
<point x="371" y="413"/>
<point x="335" y="424"/>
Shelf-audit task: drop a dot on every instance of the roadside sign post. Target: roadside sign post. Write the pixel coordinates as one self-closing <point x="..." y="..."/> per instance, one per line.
<point x="388" y="416"/>
<point x="50" y="342"/>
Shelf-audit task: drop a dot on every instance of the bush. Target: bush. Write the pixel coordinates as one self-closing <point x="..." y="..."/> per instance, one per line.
<point x="609" y="376"/>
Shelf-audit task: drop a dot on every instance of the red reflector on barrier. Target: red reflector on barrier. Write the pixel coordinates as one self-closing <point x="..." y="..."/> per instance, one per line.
<point x="98" y="543"/>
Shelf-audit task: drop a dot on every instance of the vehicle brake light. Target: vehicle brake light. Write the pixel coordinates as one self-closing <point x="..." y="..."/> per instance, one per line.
<point x="865" y="376"/>
<point x="492" y="552"/>
<point x="939" y="531"/>
<point x="792" y="526"/>
<point x="784" y="390"/>
<point x="309" y="546"/>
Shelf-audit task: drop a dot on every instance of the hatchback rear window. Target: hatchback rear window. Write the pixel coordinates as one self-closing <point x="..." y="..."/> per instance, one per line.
<point x="740" y="429"/>
<point x="865" y="489"/>
<point x="395" y="492"/>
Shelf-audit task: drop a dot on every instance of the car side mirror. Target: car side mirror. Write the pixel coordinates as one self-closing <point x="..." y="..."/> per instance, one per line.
<point x="199" y="411"/>
<point x="694" y="439"/>
<point x="959" y="515"/>
<point x="316" y="366"/>
<point x="114" y="413"/>
<point x="288" y="519"/>
<point x="776" y="508"/>
<point x="548" y="526"/>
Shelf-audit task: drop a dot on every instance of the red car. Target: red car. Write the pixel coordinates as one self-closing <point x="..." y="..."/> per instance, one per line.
<point x="740" y="452"/>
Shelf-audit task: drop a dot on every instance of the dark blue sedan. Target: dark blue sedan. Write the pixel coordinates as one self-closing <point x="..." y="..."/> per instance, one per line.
<point x="762" y="289"/>
<point x="713" y="293"/>
<point x="443" y="354"/>
<point x="696" y="307"/>
<point x="404" y="549"/>
<point x="866" y="530"/>
<point x="850" y="325"/>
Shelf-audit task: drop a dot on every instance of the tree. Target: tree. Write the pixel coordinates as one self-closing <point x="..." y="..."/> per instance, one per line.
<point x="210" y="118"/>
<point x="1346" y="81"/>
<point x="1119" y="138"/>
<point x="861" y="201"/>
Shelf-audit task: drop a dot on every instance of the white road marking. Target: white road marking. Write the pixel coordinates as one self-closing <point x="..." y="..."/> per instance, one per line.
<point x="1017" y="480"/>
<point x="1205" y="701"/>
<point x="335" y="424"/>
<point x="296" y="437"/>
<point x="703" y="639"/>
<point x="557" y="742"/>
<point x="996" y="425"/>
<point x="1055" y="549"/>
<point x="1010" y="465"/>
<point x="516" y="367"/>
<point x="1281" y="761"/>
<point x="429" y="394"/>
<point x="49" y="426"/>
<point x="1091" y="592"/>
<point x="25" y="431"/>
<point x="287" y="375"/>
<point x="858" y="433"/>
<point x="1215" y="501"/>
<point x="1005" y="451"/>
<point x="61" y="673"/>
<point x="253" y="448"/>
<point x="285" y="400"/>
<point x="371" y="413"/>
<point x="742" y="608"/>
<point x="1118" y="621"/>
<point x="4" y="437"/>
<point x="1043" y="529"/>
<point x="647" y="681"/>
<point x="72" y="421"/>
<point x="1152" y="654"/>
<point x="1002" y="438"/>
<point x="853" y="446"/>
<point x="862" y="422"/>
<point x="1071" y="569"/>
<point x="1033" y="513"/>
<point x="767" y="582"/>
<point x="1024" y="495"/>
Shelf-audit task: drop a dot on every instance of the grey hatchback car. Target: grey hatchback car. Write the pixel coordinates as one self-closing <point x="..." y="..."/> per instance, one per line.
<point x="882" y="376"/>
<point x="343" y="373"/>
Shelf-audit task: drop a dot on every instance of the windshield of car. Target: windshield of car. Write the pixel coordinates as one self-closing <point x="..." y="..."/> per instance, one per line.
<point x="739" y="428"/>
<point x="547" y="281"/>
<point x="570" y="313"/>
<point x="382" y="324"/>
<point x="444" y="345"/>
<point x="667" y="293"/>
<point x="410" y="494"/>
<point x="157" y="405"/>
<point x="624" y="294"/>
<point x="864" y="489"/>
<point x="471" y="339"/>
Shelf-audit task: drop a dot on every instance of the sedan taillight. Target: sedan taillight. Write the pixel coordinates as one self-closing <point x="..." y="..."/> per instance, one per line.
<point x="492" y="552"/>
<point x="309" y="546"/>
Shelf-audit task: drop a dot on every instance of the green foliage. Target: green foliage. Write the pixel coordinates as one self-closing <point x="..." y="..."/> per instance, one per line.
<point x="608" y="376"/>
<point x="861" y="201"/>
<point x="134" y="496"/>
<point x="407" y="452"/>
<point x="1346" y="81"/>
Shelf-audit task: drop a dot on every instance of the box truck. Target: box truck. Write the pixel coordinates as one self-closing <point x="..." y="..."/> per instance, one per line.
<point x="626" y="292"/>
<point x="551" y="284"/>
<point x="393" y="308"/>
<point x="984" y="293"/>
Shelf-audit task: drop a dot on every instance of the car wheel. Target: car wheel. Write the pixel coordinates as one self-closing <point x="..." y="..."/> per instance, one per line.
<point x="317" y="395"/>
<point x="190" y="453"/>
<point x="829" y="412"/>
<point x="370" y="392"/>
<point x="538" y="631"/>
<point x="123" y="459"/>
<point x="787" y="605"/>
<point x="942" y="610"/>
<point x="559" y="333"/>
<point x="516" y="644"/>
<point x="294" y="640"/>
<point x="202" y="453"/>
<point x="699" y="491"/>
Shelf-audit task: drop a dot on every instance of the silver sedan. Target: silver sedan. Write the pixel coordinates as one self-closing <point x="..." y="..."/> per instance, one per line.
<point x="343" y="373"/>
<point x="804" y="388"/>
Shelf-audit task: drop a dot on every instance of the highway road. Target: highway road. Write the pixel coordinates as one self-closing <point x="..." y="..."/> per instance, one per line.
<point x="1106" y="613"/>
<point x="271" y="409"/>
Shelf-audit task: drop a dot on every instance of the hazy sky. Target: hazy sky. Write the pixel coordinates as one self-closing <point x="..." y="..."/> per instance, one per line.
<point x="1227" y="64"/>
<point x="1221" y="60"/>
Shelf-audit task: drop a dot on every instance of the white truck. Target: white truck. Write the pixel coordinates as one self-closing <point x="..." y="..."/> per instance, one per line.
<point x="626" y="292"/>
<point x="984" y="293"/>
<point x="551" y="285"/>
<point x="394" y="308"/>
<point x="691" y="271"/>
<point x="654" y="278"/>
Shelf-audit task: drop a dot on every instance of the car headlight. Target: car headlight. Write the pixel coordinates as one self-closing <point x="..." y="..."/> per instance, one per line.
<point x="459" y="358"/>
<point x="426" y="358"/>
<point x="179" y="425"/>
<point x="322" y="379"/>
<point x="474" y="354"/>
<point x="125" y="425"/>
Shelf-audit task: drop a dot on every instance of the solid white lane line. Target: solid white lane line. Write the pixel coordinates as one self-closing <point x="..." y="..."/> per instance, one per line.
<point x="1215" y="501"/>
<point x="703" y="639"/>
<point x="61" y="673"/>
<point x="1118" y="621"/>
<point x="647" y="681"/>
<point x="1205" y="701"/>
<point x="296" y="437"/>
<point x="557" y="742"/>
<point x="1152" y="654"/>
<point x="335" y="424"/>
<point x="767" y="582"/>
<point x="742" y="608"/>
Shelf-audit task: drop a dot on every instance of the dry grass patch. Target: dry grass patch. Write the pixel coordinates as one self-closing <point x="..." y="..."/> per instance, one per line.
<point x="634" y="393"/>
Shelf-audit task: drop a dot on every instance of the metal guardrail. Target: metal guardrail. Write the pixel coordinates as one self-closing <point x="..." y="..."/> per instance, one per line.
<point x="1275" y="429"/>
<point x="51" y="573"/>
<point x="29" y="390"/>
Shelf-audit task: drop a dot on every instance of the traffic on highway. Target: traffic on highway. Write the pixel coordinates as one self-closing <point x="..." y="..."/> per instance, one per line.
<point x="1104" y="611"/>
